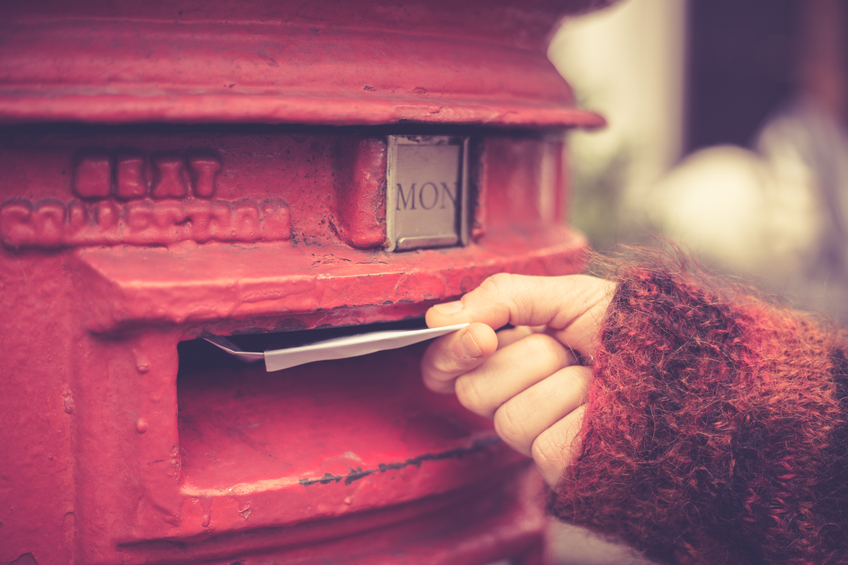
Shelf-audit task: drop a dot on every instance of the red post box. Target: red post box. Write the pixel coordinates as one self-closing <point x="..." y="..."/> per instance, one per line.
<point x="264" y="171"/>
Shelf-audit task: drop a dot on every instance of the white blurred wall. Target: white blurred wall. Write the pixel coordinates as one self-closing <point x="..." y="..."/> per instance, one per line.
<point x="776" y="213"/>
<point x="627" y="62"/>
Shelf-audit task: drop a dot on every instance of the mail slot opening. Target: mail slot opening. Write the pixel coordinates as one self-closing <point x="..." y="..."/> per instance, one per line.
<point x="328" y="422"/>
<point x="201" y="355"/>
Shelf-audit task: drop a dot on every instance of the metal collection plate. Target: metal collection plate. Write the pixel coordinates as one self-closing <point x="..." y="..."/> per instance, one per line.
<point x="427" y="185"/>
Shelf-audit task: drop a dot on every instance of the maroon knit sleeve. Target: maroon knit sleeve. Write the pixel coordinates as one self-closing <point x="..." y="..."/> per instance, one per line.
<point x="715" y="429"/>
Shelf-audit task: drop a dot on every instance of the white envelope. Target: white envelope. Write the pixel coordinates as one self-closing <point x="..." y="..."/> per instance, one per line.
<point x="337" y="348"/>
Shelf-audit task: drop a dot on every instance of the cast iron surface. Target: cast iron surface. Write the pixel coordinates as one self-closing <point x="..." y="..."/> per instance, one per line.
<point x="120" y="241"/>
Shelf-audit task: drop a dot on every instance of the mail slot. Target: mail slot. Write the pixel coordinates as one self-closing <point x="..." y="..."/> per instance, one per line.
<point x="266" y="173"/>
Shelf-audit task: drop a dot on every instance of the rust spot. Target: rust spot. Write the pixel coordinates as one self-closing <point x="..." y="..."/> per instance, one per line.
<point x="358" y="473"/>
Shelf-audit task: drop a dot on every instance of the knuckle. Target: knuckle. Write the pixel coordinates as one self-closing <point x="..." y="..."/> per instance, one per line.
<point x="499" y="287"/>
<point x="497" y="295"/>
<point x="547" y="350"/>
<point x="432" y="384"/>
<point x="469" y="395"/>
<point x="507" y="424"/>
<point x="441" y="360"/>
<point x="547" y="453"/>
<point x="441" y="365"/>
<point x="436" y="381"/>
<point x="441" y="387"/>
<point x="499" y="282"/>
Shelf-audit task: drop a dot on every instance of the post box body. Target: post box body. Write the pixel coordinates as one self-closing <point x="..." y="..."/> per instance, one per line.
<point x="178" y="170"/>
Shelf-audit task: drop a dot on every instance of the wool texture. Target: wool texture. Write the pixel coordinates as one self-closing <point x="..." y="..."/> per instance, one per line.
<point x="716" y="427"/>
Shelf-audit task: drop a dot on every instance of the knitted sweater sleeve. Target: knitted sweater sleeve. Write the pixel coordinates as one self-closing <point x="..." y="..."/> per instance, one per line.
<point x="716" y="429"/>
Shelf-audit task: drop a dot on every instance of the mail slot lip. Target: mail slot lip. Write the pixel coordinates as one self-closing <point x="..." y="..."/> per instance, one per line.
<point x="192" y="545"/>
<point x="125" y="290"/>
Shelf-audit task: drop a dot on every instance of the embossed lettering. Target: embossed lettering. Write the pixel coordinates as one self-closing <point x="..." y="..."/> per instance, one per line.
<point x="53" y="224"/>
<point x="275" y="220"/>
<point x="140" y="217"/>
<point x="131" y="177"/>
<point x="16" y="224"/>
<point x="246" y="221"/>
<point x="407" y="199"/>
<point x="203" y="172"/>
<point x="77" y="217"/>
<point x="219" y="225"/>
<point x="107" y="215"/>
<point x="172" y="221"/>
<point x="49" y="221"/>
<point x="93" y="177"/>
<point x="170" y="178"/>
<point x="170" y="214"/>
<point x="207" y="219"/>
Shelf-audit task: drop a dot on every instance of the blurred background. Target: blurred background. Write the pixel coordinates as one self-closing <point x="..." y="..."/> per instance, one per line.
<point x="726" y="133"/>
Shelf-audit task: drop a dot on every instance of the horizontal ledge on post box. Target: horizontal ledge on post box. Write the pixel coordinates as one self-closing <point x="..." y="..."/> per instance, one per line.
<point x="124" y="287"/>
<point x="24" y="107"/>
<point x="488" y="505"/>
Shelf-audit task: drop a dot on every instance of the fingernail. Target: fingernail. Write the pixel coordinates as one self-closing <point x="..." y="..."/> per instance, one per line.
<point x="449" y="307"/>
<point x="469" y="345"/>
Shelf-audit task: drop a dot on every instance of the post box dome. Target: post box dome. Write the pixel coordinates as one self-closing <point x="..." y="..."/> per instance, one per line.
<point x="323" y="62"/>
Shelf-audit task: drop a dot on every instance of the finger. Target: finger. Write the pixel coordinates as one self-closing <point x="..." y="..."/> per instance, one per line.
<point x="526" y="415"/>
<point x="558" y="447"/>
<point x="509" y="371"/>
<point x="511" y="335"/>
<point x="456" y="353"/>
<point x="573" y="306"/>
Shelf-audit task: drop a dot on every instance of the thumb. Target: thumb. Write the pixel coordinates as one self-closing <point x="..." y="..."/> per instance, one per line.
<point x="572" y="306"/>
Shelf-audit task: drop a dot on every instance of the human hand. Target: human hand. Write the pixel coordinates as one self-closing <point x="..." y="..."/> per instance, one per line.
<point x="528" y="378"/>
